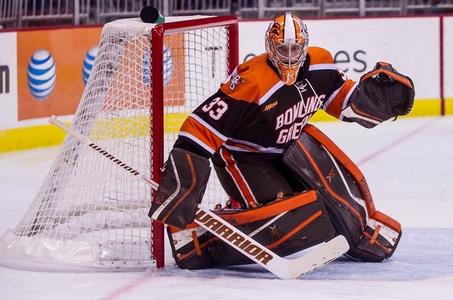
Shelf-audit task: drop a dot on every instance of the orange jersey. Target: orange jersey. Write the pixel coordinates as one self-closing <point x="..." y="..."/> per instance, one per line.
<point x="254" y="112"/>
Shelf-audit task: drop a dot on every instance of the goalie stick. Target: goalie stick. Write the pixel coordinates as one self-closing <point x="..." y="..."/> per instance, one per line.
<point x="281" y="267"/>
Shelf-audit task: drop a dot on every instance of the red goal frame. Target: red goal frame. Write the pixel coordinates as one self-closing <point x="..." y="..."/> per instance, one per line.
<point x="157" y="94"/>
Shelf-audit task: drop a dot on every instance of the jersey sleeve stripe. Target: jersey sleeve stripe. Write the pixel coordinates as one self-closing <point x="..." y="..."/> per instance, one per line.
<point x="346" y="99"/>
<point x="335" y="106"/>
<point x="249" y="145"/>
<point x="269" y="93"/>
<point x="197" y="141"/>
<point x="202" y="134"/>
<point x="202" y="122"/>
<point x="241" y="148"/>
<point x="328" y="101"/>
<point x="323" y="67"/>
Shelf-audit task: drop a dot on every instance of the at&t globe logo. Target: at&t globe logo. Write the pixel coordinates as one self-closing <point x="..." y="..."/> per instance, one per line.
<point x="88" y="63"/>
<point x="168" y="67"/>
<point x="41" y="74"/>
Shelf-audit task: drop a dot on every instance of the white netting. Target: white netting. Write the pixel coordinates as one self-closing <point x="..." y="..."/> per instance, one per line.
<point x="89" y="212"/>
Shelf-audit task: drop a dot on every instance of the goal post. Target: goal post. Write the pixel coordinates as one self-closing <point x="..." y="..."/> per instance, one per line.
<point x="157" y="37"/>
<point x="89" y="214"/>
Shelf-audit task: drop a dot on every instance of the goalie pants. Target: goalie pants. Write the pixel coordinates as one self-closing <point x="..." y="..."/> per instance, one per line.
<point x="254" y="181"/>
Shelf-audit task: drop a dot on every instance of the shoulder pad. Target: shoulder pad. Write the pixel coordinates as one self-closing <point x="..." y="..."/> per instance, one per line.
<point x="319" y="55"/>
<point x="250" y="80"/>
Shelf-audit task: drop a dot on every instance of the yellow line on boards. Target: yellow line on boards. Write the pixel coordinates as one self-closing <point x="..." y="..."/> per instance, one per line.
<point x="49" y="135"/>
<point x="30" y="137"/>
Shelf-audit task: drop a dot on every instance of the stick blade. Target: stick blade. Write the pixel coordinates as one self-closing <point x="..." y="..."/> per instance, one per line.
<point x="316" y="258"/>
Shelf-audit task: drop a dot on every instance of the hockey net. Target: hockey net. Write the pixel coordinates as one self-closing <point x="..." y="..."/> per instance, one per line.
<point x="90" y="214"/>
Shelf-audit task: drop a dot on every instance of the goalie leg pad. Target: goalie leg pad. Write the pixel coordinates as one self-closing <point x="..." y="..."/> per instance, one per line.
<point x="285" y="226"/>
<point x="319" y="163"/>
<point x="181" y="189"/>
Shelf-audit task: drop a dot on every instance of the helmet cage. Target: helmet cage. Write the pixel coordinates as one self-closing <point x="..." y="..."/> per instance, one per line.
<point x="289" y="53"/>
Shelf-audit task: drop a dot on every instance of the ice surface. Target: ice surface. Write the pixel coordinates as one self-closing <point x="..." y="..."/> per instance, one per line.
<point x="409" y="167"/>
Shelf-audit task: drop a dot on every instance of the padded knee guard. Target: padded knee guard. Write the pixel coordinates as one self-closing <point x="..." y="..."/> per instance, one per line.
<point x="320" y="164"/>
<point x="285" y="226"/>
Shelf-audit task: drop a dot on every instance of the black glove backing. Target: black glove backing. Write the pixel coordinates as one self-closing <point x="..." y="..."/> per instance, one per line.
<point x="382" y="93"/>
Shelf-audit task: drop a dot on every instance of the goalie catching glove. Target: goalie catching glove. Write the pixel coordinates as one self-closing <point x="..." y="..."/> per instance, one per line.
<point x="381" y="94"/>
<point x="182" y="186"/>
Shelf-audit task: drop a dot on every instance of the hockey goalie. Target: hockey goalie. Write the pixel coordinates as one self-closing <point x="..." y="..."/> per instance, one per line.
<point x="290" y="186"/>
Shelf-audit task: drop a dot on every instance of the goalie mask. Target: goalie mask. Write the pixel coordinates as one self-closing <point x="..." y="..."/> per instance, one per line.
<point x="286" y="45"/>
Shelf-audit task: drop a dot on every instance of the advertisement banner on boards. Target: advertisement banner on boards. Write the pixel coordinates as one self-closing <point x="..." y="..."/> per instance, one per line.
<point x="8" y="80"/>
<point x="356" y="46"/>
<point x="52" y="69"/>
<point x="54" y="66"/>
<point x="174" y="70"/>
